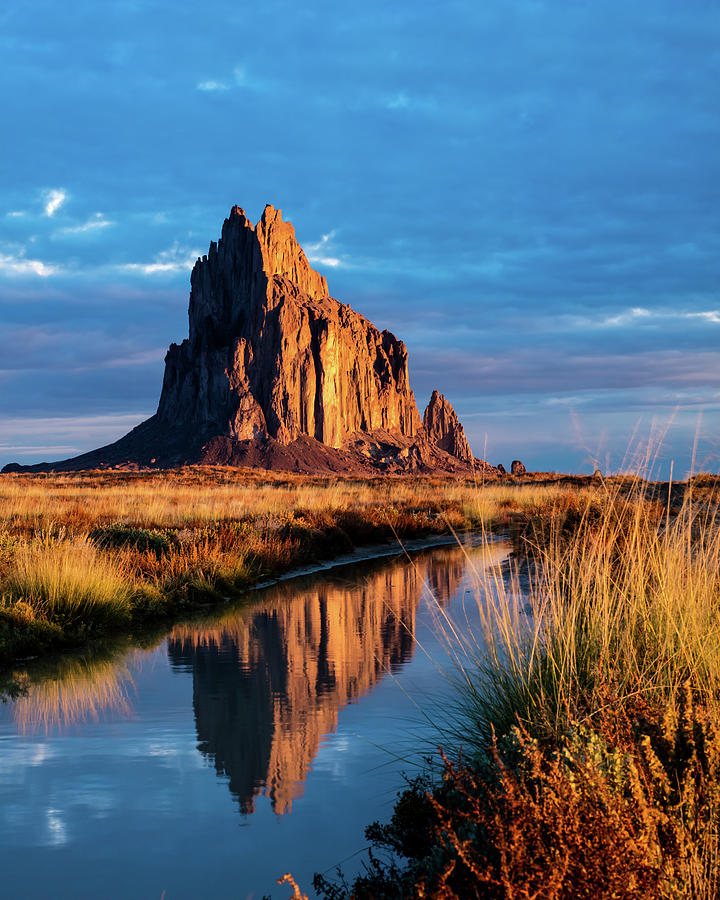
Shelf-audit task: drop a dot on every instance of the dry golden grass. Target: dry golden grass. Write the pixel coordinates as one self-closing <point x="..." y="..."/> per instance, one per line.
<point x="186" y="498"/>
<point x="68" y="582"/>
<point x="79" y="550"/>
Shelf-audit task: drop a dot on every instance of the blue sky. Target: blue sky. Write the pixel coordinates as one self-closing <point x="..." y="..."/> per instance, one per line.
<point x="527" y="193"/>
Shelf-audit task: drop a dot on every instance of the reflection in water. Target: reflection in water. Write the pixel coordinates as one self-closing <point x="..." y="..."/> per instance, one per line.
<point x="118" y="776"/>
<point x="269" y="683"/>
<point x="268" y="680"/>
<point x="80" y="689"/>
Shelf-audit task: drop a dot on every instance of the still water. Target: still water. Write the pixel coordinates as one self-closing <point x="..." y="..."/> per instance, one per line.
<point x="233" y="750"/>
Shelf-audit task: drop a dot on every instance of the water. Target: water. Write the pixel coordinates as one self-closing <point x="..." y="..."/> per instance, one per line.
<point x="233" y="750"/>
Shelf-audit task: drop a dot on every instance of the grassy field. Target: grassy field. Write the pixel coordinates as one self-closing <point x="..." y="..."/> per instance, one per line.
<point x="86" y="554"/>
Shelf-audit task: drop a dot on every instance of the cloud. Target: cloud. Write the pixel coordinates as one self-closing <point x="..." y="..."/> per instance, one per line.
<point x="212" y="86"/>
<point x="19" y="264"/>
<point x="240" y="79"/>
<point x="53" y="200"/>
<point x="639" y="314"/>
<point x="404" y="100"/>
<point x="95" y="223"/>
<point x="61" y="436"/>
<point x="177" y="259"/>
<point x="315" y="252"/>
<point x="709" y="315"/>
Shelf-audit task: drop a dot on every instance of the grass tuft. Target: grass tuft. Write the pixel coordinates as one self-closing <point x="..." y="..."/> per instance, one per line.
<point x="68" y="583"/>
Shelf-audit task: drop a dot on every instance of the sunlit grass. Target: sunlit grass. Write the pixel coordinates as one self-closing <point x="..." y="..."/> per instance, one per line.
<point x="583" y="753"/>
<point x="623" y="605"/>
<point x="69" y="582"/>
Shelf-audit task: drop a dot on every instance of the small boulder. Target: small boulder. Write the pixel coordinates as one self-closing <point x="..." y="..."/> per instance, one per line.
<point x="501" y="469"/>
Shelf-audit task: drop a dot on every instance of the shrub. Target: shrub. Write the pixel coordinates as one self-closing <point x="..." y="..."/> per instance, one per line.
<point x="142" y="539"/>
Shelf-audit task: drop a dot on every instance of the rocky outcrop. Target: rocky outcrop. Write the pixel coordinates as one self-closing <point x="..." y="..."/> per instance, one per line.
<point x="517" y="468"/>
<point x="271" y="354"/>
<point x="276" y="373"/>
<point x="442" y="427"/>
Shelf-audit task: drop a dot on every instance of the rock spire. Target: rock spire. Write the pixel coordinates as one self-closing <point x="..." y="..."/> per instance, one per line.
<point x="275" y="373"/>
<point x="443" y="428"/>
<point x="271" y="355"/>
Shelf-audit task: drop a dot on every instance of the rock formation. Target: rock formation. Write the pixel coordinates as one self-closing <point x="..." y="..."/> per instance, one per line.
<point x="443" y="428"/>
<point x="517" y="468"/>
<point x="276" y="373"/>
<point x="271" y="354"/>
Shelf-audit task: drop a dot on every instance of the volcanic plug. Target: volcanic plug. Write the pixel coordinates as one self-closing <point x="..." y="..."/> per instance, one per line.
<point x="276" y="373"/>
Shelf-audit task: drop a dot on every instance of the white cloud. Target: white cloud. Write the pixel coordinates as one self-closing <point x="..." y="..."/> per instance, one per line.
<point x="53" y="200"/>
<point x="94" y="223"/>
<point x="212" y="86"/>
<point x="16" y="214"/>
<point x="240" y="79"/>
<point x="709" y="315"/>
<point x="628" y="316"/>
<point x="640" y="314"/>
<point x="177" y="259"/>
<point x="316" y="252"/>
<point x="19" y="264"/>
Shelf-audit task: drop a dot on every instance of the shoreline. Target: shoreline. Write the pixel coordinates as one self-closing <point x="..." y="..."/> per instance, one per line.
<point x="211" y="600"/>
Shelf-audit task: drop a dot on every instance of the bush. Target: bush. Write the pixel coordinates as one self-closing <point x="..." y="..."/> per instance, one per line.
<point x="142" y="539"/>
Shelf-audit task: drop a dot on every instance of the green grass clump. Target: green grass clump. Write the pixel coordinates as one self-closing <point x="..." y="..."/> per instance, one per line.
<point x="627" y="603"/>
<point x="146" y="540"/>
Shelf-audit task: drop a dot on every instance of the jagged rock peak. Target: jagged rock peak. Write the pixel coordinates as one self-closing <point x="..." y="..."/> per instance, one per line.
<point x="271" y="354"/>
<point x="444" y="429"/>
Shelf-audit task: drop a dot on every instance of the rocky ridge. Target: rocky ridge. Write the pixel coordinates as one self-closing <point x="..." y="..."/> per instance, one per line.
<point x="276" y="373"/>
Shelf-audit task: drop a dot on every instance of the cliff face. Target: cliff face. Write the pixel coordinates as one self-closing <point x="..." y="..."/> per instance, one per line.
<point x="271" y="354"/>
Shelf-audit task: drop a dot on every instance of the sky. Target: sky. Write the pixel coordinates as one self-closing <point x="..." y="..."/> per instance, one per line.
<point x="527" y="193"/>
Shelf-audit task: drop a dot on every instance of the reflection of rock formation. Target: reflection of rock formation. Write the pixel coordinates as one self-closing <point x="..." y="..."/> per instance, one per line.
<point x="269" y="684"/>
<point x="445" y="570"/>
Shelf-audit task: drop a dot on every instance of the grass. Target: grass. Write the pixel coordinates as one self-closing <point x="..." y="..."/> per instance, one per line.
<point x="69" y="582"/>
<point x="626" y="600"/>
<point x="86" y="553"/>
<point x="584" y="755"/>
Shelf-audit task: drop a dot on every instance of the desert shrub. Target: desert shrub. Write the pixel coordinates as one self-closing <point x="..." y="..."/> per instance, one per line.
<point x="22" y="633"/>
<point x="142" y="539"/>
<point x="625" y="810"/>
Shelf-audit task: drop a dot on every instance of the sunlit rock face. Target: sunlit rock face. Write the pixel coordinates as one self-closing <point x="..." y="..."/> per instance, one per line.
<point x="269" y="685"/>
<point x="443" y="428"/>
<point x="271" y="354"/>
<point x="277" y="374"/>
